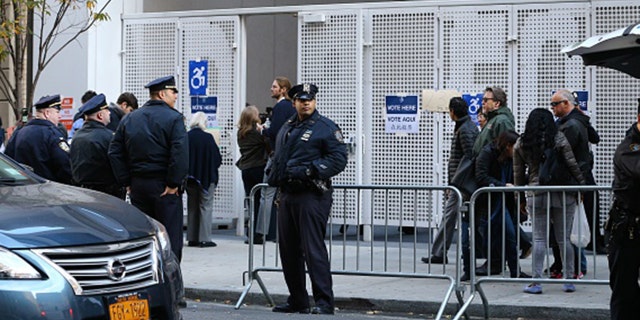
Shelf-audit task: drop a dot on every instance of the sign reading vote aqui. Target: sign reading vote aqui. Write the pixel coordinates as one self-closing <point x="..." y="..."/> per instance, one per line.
<point x="208" y="105"/>
<point x="198" y="77"/>
<point x="402" y="114"/>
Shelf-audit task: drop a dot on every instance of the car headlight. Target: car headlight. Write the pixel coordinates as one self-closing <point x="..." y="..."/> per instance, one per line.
<point x="163" y="239"/>
<point x="13" y="266"/>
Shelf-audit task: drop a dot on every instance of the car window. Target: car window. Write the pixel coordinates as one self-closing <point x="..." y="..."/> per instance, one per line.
<point x="11" y="174"/>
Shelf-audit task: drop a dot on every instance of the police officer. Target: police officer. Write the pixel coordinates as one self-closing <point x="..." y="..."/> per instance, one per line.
<point x="309" y="151"/>
<point x="149" y="154"/>
<point x="40" y="144"/>
<point x="90" y="164"/>
<point x="623" y="227"/>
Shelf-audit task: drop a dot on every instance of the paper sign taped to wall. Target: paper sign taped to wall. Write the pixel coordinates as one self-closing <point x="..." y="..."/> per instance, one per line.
<point x="437" y="100"/>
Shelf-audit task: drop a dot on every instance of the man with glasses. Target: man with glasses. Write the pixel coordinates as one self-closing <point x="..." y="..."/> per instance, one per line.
<point x="149" y="154"/>
<point x="499" y="117"/>
<point x="40" y="145"/>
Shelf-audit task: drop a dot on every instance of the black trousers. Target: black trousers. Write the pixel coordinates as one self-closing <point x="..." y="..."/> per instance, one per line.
<point x="145" y="195"/>
<point x="251" y="177"/>
<point x="624" y="262"/>
<point x="302" y="223"/>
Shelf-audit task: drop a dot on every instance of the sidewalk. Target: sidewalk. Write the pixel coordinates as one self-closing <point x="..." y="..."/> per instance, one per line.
<point x="217" y="274"/>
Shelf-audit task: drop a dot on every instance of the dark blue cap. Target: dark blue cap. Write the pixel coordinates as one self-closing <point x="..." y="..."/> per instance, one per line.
<point x="303" y="91"/>
<point x="94" y="105"/>
<point x="52" y="101"/>
<point x="168" y="82"/>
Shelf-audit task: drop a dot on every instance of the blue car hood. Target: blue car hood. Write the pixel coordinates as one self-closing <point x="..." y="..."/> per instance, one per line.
<point x="53" y="215"/>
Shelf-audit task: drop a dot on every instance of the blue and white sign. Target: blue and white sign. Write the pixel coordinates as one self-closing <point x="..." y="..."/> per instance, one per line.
<point x="198" y="71"/>
<point x="583" y="100"/>
<point x="208" y="105"/>
<point x="402" y="114"/>
<point x="474" y="101"/>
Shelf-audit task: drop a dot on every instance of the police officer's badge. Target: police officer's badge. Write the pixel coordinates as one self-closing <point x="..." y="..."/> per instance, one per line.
<point x="634" y="147"/>
<point x="339" y="136"/>
<point x="306" y="135"/>
<point x="64" y="146"/>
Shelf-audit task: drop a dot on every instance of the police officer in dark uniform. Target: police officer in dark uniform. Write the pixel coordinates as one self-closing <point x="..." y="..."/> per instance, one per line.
<point x="623" y="227"/>
<point x="310" y="150"/>
<point x="90" y="164"/>
<point x="149" y="155"/>
<point x="40" y="144"/>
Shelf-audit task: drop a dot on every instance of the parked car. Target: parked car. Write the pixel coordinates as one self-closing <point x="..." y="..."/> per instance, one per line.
<point x="73" y="253"/>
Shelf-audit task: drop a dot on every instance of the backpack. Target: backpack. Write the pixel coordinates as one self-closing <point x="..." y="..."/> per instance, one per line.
<point x="553" y="170"/>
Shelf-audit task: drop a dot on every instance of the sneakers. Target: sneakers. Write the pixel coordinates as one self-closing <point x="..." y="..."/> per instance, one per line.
<point x="534" y="288"/>
<point x="568" y="287"/>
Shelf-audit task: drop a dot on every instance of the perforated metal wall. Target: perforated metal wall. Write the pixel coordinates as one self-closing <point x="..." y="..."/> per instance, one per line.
<point x="215" y="39"/>
<point x="159" y="47"/>
<point x="400" y="61"/>
<point x="615" y="93"/>
<point x="330" y="56"/>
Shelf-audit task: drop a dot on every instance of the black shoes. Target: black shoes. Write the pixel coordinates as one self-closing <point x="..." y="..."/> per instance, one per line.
<point x="435" y="259"/>
<point x="201" y="244"/>
<point x="482" y="270"/>
<point x="287" y="308"/>
<point x="322" y="310"/>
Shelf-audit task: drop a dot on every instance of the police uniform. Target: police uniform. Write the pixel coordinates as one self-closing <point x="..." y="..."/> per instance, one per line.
<point x="90" y="164"/>
<point x="308" y="153"/>
<point x="150" y="151"/>
<point x="40" y="145"/>
<point x="623" y="228"/>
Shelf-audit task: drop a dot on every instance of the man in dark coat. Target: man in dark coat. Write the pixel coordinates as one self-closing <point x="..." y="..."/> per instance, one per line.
<point x="204" y="161"/>
<point x="90" y="164"/>
<point x="149" y="156"/>
<point x="464" y="136"/>
<point x="310" y="150"/>
<point x="40" y="144"/>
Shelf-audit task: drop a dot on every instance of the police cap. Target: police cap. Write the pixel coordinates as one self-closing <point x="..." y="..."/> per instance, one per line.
<point x="94" y="105"/>
<point x="168" y="82"/>
<point x="303" y="91"/>
<point x="52" y="101"/>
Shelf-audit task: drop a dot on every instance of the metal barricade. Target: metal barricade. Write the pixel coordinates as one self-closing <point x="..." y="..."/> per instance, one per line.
<point x="385" y="255"/>
<point x="529" y="195"/>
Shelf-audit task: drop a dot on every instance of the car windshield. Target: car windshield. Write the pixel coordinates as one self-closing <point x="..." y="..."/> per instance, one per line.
<point x="12" y="174"/>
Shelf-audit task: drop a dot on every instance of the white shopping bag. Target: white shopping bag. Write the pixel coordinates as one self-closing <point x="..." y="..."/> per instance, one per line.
<point x="580" y="234"/>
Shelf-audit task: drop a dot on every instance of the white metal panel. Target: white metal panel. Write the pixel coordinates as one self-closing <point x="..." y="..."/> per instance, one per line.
<point x="402" y="62"/>
<point x="615" y="93"/>
<point x="215" y="39"/>
<point x="329" y="55"/>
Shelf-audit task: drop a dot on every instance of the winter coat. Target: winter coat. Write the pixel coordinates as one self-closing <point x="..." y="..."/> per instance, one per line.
<point x="498" y="121"/>
<point x="465" y="134"/>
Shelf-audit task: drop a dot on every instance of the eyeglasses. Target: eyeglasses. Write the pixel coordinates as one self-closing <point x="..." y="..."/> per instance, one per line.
<point x="487" y="99"/>
<point x="555" y="103"/>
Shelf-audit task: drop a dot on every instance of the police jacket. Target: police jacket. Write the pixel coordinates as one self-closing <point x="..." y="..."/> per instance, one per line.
<point x="498" y="121"/>
<point x="282" y="111"/>
<point x="151" y="142"/>
<point x="311" y="149"/>
<point x="89" y="160"/>
<point x="575" y="126"/>
<point x="465" y="134"/>
<point x="204" y="158"/>
<point x="626" y="172"/>
<point x="40" y="145"/>
<point x="115" y="115"/>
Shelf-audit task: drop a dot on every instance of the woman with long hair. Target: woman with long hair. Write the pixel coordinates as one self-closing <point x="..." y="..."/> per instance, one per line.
<point x="253" y="157"/>
<point x="541" y="133"/>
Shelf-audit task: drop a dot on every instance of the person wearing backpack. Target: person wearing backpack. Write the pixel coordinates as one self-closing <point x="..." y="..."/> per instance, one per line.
<point x="541" y="133"/>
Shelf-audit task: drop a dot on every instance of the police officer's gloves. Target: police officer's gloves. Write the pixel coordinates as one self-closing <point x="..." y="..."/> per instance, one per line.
<point x="302" y="173"/>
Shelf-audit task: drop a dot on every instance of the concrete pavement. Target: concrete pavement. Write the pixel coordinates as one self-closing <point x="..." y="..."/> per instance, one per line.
<point x="216" y="274"/>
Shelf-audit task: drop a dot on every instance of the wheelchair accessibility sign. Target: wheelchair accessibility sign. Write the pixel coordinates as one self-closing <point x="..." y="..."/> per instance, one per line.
<point x="198" y="70"/>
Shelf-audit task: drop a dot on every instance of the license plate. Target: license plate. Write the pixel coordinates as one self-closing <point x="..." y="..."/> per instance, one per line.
<point x="129" y="307"/>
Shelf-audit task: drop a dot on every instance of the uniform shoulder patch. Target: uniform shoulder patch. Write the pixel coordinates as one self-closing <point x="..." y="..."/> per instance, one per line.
<point x="634" y="147"/>
<point x="64" y="146"/>
<point x="339" y="136"/>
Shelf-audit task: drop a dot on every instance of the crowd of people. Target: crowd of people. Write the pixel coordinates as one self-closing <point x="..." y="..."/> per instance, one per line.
<point x="503" y="158"/>
<point x="153" y="156"/>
